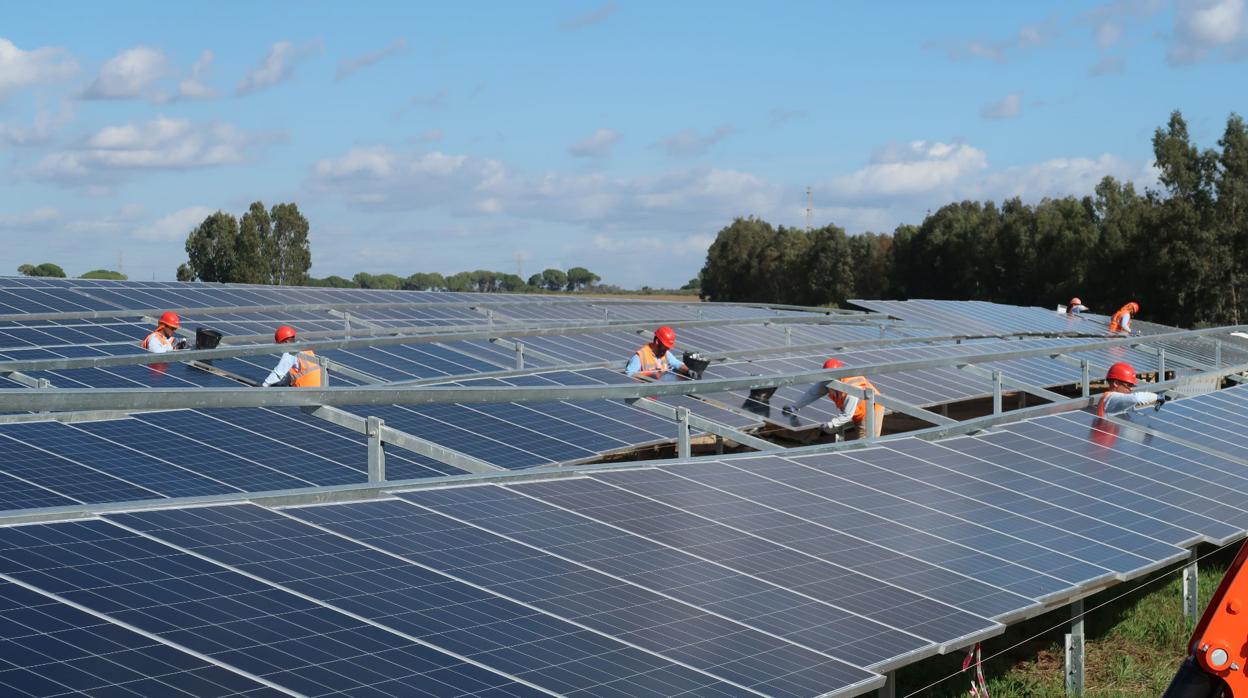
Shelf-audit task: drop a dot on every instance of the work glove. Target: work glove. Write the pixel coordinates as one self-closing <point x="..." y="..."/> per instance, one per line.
<point x="1161" y="401"/>
<point x="181" y="343"/>
<point x="836" y="424"/>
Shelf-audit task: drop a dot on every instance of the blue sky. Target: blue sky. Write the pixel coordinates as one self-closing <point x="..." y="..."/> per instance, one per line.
<point x="618" y="136"/>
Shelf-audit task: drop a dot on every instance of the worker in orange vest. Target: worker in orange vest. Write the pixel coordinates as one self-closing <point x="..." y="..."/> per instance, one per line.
<point x="299" y="370"/>
<point x="656" y="360"/>
<point x="1120" y="323"/>
<point x="1121" y="396"/>
<point x="851" y="407"/>
<point x="163" y="339"/>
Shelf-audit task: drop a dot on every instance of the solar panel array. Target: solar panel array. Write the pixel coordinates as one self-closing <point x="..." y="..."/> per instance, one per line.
<point x="777" y="574"/>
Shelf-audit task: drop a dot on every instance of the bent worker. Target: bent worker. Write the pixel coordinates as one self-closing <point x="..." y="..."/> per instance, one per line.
<point x="1120" y="395"/>
<point x="299" y="370"/>
<point x="162" y="339"/>
<point x="851" y="408"/>
<point x="1076" y="306"/>
<point x="655" y="360"/>
<point x="1120" y="323"/>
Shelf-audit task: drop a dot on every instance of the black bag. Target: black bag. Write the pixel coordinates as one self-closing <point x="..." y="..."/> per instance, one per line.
<point x="206" y="338"/>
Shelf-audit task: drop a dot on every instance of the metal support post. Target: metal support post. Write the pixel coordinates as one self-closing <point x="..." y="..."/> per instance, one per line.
<point x="376" y="451"/>
<point x="1191" y="591"/>
<point x="889" y="689"/>
<point x="42" y="383"/>
<point x="519" y="355"/>
<point x="788" y="336"/>
<point x="324" y="364"/>
<point x="719" y="445"/>
<point x="682" y="433"/>
<point x="1086" y="385"/>
<point x="1161" y="364"/>
<point x="1217" y="353"/>
<point x="1074" y="651"/>
<point x="346" y="323"/>
<point x="996" y="392"/>
<point x="869" y="424"/>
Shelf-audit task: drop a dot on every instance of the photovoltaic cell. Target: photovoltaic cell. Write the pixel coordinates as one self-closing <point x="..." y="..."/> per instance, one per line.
<point x="667" y="625"/>
<point x="51" y="649"/>
<point x="237" y="621"/>
<point x="444" y="612"/>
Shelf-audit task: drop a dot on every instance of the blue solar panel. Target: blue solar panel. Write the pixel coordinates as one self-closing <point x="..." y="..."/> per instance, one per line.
<point x="242" y="623"/>
<point x="671" y="486"/>
<point x="52" y="649"/>
<point x="1007" y="486"/>
<point x="62" y="475"/>
<point x="437" y="609"/>
<point x="643" y="618"/>
<point x="229" y="468"/>
<point x="785" y="569"/>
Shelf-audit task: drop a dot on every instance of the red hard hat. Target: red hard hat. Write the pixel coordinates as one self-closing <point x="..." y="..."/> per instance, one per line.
<point x="1076" y="301"/>
<point x="170" y="319"/>
<point x="666" y="336"/>
<point x="283" y="333"/>
<point x="1121" y="371"/>
<point x="833" y="363"/>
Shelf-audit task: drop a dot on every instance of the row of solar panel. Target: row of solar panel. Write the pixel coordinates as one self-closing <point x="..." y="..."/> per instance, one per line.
<point x="786" y="576"/>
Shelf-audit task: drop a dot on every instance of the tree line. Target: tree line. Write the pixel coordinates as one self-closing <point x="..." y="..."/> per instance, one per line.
<point x="264" y="246"/>
<point x="481" y="281"/>
<point x="1181" y="251"/>
<point x="54" y="271"/>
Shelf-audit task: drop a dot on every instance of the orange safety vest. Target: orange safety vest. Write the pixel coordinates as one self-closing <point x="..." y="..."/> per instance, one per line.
<point x="651" y="366"/>
<point x="1115" y="323"/>
<point x="306" y="373"/>
<point x="860" y="412"/>
<point x="160" y="337"/>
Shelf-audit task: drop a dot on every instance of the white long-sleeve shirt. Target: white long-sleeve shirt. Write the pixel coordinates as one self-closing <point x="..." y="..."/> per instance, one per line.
<point x="1121" y="402"/>
<point x="279" y="372"/>
<point x="158" y="343"/>
<point x="819" y="390"/>
<point x="1126" y="323"/>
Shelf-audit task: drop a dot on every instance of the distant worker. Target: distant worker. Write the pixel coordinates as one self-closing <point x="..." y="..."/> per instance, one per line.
<point x="163" y="338"/>
<point x="656" y="359"/>
<point x="851" y="407"/>
<point x="1120" y="323"/>
<point x="299" y="370"/>
<point x="1076" y="306"/>
<point x="1118" y="397"/>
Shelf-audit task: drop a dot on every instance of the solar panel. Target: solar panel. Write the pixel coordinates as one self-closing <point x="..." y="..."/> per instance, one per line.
<point x="232" y="619"/>
<point x="674" y="629"/>
<point x="402" y="597"/>
<point x="54" y="649"/>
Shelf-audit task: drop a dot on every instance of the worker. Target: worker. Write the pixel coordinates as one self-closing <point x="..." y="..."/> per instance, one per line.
<point x="1076" y="306"/>
<point x="1119" y="396"/>
<point x="656" y="360"/>
<point x="163" y="339"/>
<point x="299" y="370"/>
<point x="851" y="408"/>
<point x="1120" y="323"/>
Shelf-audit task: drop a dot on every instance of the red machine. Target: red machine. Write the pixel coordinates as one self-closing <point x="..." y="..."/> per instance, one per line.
<point x="1217" y="663"/>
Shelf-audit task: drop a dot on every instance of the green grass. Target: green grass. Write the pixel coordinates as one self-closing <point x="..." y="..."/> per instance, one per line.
<point x="1133" y="646"/>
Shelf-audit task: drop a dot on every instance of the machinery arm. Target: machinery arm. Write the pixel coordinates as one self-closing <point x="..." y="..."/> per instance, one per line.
<point x="1217" y="664"/>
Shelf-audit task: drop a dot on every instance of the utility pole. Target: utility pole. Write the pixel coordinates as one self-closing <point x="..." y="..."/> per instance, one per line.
<point x="810" y="209"/>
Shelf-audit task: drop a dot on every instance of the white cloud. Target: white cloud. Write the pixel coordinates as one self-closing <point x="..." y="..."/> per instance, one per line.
<point x="1028" y="37"/>
<point x="193" y="87"/>
<point x="129" y="75"/>
<point x="1059" y="177"/>
<point x="36" y="220"/>
<point x="161" y="144"/>
<point x="41" y="131"/>
<point x="1008" y="108"/>
<point x="689" y="142"/>
<point x="907" y="170"/>
<point x="277" y="67"/>
<point x="589" y="18"/>
<point x="20" y="68"/>
<point x="352" y="65"/>
<point x="597" y="144"/>
<point x="1205" y="27"/>
<point x="175" y="226"/>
